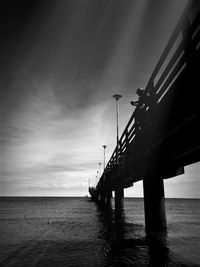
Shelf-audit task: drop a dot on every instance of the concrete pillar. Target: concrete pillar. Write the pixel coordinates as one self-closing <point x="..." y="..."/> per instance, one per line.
<point x="109" y="198"/>
<point x="154" y="204"/>
<point x="99" y="197"/>
<point x="119" y="198"/>
<point x="102" y="199"/>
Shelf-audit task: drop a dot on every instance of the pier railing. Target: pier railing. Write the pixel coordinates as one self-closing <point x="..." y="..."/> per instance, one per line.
<point x="178" y="57"/>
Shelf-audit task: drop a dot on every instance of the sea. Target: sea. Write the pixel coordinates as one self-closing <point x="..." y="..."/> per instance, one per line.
<point x="70" y="231"/>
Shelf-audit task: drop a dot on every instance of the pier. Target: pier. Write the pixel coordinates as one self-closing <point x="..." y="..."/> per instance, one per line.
<point x="163" y="137"/>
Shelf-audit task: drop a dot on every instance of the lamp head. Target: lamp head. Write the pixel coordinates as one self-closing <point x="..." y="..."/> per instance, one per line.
<point x="117" y="97"/>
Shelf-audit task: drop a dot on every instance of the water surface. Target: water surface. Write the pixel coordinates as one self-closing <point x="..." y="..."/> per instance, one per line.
<point x="76" y="232"/>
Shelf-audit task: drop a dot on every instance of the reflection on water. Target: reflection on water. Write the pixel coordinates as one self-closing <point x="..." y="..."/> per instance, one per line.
<point x="82" y="234"/>
<point x="126" y="244"/>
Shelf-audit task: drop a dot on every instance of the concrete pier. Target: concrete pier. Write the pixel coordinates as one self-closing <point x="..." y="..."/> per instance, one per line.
<point x="102" y="199"/>
<point x="109" y="198"/>
<point x="119" y="198"/>
<point x="154" y="204"/>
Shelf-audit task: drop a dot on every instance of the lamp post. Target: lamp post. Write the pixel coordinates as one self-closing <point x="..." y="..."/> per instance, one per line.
<point x="99" y="170"/>
<point x="104" y="156"/>
<point x="117" y="97"/>
<point x="97" y="177"/>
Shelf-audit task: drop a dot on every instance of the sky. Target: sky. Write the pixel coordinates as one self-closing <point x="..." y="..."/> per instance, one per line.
<point x="60" y="63"/>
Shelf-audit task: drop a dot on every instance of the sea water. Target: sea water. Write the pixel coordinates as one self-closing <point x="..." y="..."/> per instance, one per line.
<point x="51" y="231"/>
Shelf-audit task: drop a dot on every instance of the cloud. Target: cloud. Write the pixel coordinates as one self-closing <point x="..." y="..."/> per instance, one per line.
<point x="62" y="62"/>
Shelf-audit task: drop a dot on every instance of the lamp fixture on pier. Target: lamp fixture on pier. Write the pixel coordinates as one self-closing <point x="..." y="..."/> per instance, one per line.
<point x="117" y="97"/>
<point x="96" y="178"/>
<point x="104" y="156"/>
<point x="99" y="170"/>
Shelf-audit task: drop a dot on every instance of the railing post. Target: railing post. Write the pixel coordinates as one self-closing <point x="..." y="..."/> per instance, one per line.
<point x="120" y="147"/>
<point x="188" y="47"/>
<point x="126" y="138"/>
<point x="190" y="58"/>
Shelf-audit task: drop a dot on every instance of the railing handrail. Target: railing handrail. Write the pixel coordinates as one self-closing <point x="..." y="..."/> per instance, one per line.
<point x="180" y="25"/>
<point x="176" y="62"/>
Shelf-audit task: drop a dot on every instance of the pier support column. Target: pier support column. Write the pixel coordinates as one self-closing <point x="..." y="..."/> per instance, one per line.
<point x="102" y="199"/>
<point x="119" y="198"/>
<point x="154" y="204"/>
<point x="109" y="198"/>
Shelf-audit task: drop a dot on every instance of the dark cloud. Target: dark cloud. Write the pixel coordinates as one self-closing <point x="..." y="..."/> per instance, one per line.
<point x="71" y="44"/>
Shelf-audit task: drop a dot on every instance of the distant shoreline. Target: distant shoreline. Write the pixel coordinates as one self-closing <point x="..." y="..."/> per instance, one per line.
<point x="87" y="197"/>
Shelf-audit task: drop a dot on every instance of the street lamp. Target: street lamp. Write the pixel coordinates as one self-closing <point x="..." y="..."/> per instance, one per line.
<point x="104" y="156"/>
<point x="99" y="170"/>
<point x="117" y="97"/>
<point x="97" y="177"/>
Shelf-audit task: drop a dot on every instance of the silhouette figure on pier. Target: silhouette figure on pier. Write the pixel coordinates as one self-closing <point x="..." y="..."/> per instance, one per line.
<point x="140" y="105"/>
<point x="145" y="100"/>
